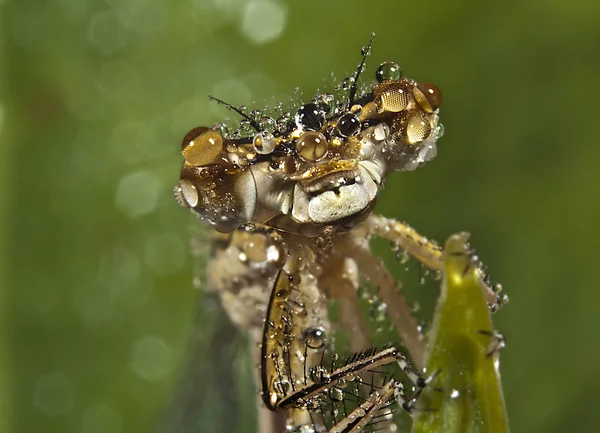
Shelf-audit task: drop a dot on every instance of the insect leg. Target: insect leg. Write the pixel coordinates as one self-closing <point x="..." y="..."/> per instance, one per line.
<point x="341" y="282"/>
<point x="397" y="307"/>
<point x="364" y="413"/>
<point x="426" y="251"/>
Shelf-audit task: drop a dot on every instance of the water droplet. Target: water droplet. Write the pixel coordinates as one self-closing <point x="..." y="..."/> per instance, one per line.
<point x="347" y="83"/>
<point x="316" y="337"/>
<point x="325" y="101"/>
<point x="245" y="128"/>
<point x="380" y="132"/>
<point x="282" y="386"/>
<point x="283" y="122"/>
<point x="264" y="142"/>
<point x="318" y="374"/>
<point x="360" y="412"/>
<point x="439" y="131"/>
<point x="336" y="394"/>
<point x="186" y="193"/>
<point x="310" y="117"/>
<point x="388" y="71"/>
<point x="305" y="428"/>
<point x="348" y="125"/>
<point x="267" y="124"/>
<point x="249" y="227"/>
<point x="402" y="256"/>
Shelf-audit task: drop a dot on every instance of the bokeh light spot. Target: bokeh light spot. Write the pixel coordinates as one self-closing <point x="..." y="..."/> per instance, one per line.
<point x="106" y="32"/>
<point x="93" y="307"/>
<point x="263" y="20"/>
<point x="54" y="394"/>
<point x="119" y="81"/>
<point x="187" y="113"/>
<point x="119" y="270"/>
<point x="152" y="359"/>
<point x="137" y="194"/>
<point x="229" y="7"/>
<point x="165" y="253"/>
<point x="101" y="418"/>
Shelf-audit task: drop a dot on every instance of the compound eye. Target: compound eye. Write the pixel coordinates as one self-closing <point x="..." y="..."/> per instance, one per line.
<point x="392" y="97"/>
<point x="202" y="147"/>
<point x="310" y="117"/>
<point x="428" y="96"/>
<point x="388" y="71"/>
<point x="348" y="125"/>
<point x="312" y="146"/>
<point x="417" y="129"/>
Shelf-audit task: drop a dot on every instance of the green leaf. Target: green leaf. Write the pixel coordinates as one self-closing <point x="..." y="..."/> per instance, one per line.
<point x="466" y="395"/>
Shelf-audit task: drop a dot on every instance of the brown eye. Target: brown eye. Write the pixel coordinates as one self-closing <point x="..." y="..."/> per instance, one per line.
<point x="428" y="96"/>
<point x="202" y="146"/>
<point x="417" y="129"/>
<point x="348" y="125"/>
<point x="391" y="97"/>
<point x="311" y="146"/>
<point x="193" y="134"/>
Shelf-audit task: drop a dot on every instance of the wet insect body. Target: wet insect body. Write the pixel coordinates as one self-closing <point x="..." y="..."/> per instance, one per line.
<point x="291" y="204"/>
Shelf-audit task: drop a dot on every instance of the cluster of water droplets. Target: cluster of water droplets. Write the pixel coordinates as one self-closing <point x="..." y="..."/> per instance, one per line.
<point x="377" y="309"/>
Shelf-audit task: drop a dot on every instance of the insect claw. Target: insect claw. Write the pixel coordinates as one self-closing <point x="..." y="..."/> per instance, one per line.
<point x="498" y="341"/>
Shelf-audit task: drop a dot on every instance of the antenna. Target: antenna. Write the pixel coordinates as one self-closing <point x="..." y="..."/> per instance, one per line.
<point x="365" y="52"/>
<point x="238" y="111"/>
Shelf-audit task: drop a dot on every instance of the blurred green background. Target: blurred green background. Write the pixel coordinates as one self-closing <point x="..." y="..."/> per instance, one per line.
<point x="97" y="300"/>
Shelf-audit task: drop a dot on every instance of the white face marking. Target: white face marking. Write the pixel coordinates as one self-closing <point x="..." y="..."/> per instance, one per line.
<point x="330" y="206"/>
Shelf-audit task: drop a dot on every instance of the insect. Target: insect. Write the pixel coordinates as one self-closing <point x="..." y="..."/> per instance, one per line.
<point x="291" y="201"/>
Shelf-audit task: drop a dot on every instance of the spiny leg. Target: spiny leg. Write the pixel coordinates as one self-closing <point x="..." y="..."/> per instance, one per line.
<point x="268" y="420"/>
<point x="398" y="309"/>
<point x="426" y="251"/>
<point x="366" y="411"/>
<point x="352" y="321"/>
<point x="497" y="342"/>
<point x="292" y="374"/>
<point x="380" y="397"/>
<point x="341" y="282"/>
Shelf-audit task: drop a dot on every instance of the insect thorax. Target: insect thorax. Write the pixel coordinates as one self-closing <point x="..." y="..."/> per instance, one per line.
<point x="317" y="172"/>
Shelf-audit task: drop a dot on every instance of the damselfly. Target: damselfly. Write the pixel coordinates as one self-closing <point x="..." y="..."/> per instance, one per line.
<point x="291" y="200"/>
